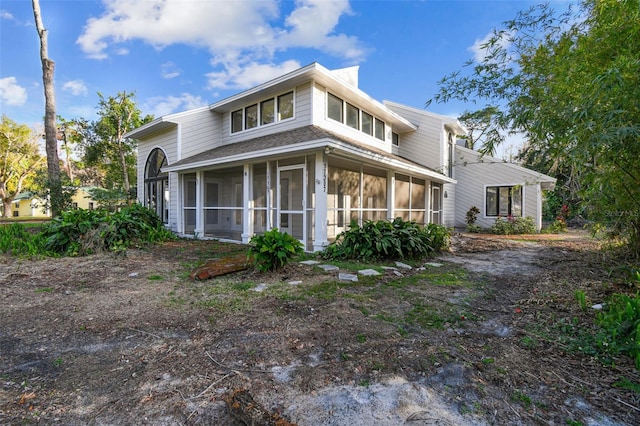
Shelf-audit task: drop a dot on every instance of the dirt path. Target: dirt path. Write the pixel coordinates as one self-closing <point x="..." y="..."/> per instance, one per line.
<point x="477" y="336"/>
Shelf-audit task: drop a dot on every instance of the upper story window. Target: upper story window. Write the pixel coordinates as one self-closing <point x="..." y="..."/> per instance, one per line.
<point x="352" y="116"/>
<point x="335" y="107"/>
<point x="395" y="139"/>
<point x="263" y="113"/>
<point x="379" y="129"/>
<point x="267" y="112"/>
<point x="367" y="123"/>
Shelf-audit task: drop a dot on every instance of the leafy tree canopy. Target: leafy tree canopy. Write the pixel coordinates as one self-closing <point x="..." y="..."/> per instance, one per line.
<point x="19" y="159"/>
<point x="105" y="145"/>
<point x="571" y="83"/>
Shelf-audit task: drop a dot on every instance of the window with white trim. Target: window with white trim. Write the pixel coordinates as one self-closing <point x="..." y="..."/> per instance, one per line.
<point x="503" y="201"/>
<point x="263" y="113"/>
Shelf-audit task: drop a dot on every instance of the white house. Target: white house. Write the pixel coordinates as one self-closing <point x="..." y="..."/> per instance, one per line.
<point x="309" y="152"/>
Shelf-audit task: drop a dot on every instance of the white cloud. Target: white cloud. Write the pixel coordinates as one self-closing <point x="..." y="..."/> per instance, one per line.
<point x="481" y="49"/>
<point x="163" y="105"/>
<point x="11" y="93"/>
<point x="76" y="87"/>
<point x="236" y="33"/>
<point x="6" y="15"/>
<point x="248" y="75"/>
<point x="169" y="70"/>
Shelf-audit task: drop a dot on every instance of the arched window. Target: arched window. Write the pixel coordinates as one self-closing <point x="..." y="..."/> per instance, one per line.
<point x="156" y="184"/>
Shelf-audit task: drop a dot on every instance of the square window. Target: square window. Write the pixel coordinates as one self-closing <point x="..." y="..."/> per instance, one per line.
<point x="503" y="201"/>
<point x="353" y="117"/>
<point x="236" y="121"/>
<point x="251" y="116"/>
<point x="334" y="107"/>
<point x="367" y="123"/>
<point x="267" y="112"/>
<point x="285" y="106"/>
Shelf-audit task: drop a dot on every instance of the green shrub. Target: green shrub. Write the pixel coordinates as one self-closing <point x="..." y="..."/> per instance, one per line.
<point x="513" y="225"/>
<point x="620" y="324"/>
<point x="387" y="240"/>
<point x="556" y="227"/>
<point x="16" y="240"/>
<point x="273" y="250"/>
<point x="78" y="232"/>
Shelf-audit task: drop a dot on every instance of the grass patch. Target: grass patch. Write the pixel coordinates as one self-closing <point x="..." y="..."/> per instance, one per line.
<point x="155" y="278"/>
<point x="44" y="290"/>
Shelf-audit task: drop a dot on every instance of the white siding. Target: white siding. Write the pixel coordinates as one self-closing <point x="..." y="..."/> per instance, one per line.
<point x="474" y="174"/>
<point x="425" y="145"/>
<point x="449" y="204"/>
<point x="200" y="132"/>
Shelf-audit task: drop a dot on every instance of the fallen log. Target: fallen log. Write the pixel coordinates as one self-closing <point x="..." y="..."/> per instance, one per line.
<point x="220" y="266"/>
<point x="244" y="408"/>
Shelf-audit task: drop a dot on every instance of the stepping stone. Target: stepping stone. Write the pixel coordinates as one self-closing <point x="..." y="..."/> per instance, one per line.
<point x="368" y="272"/>
<point x="403" y="265"/>
<point x="347" y="277"/>
<point x="434" y="264"/>
<point x="398" y="273"/>
<point x="328" y="268"/>
<point x="294" y="282"/>
<point x="389" y="268"/>
<point x="260" y="287"/>
<point x="309" y="262"/>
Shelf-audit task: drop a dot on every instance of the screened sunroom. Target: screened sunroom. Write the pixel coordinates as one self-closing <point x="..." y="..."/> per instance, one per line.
<point x="313" y="197"/>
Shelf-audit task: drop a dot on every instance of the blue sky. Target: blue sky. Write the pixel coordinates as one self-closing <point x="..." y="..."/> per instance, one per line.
<point x="181" y="54"/>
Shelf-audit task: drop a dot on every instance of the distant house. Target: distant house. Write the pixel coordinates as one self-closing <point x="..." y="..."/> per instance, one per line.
<point x="309" y="152"/>
<point x="28" y="205"/>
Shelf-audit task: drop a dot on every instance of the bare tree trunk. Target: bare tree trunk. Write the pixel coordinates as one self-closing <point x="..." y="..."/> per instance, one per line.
<point x="7" y="207"/>
<point x="120" y="133"/>
<point x="50" y="130"/>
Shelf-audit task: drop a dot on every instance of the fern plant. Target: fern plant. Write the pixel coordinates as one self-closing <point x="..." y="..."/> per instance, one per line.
<point x="273" y="250"/>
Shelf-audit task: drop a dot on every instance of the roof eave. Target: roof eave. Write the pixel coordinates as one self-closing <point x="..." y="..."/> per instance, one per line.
<point x="336" y="147"/>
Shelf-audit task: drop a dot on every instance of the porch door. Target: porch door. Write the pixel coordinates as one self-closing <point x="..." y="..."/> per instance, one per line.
<point x="436" y="205"/>
<point x="291" y="201"/>
<point x="237" y="204"/>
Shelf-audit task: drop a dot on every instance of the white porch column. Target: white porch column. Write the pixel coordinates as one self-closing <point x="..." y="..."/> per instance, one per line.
<point x="391" y="194"/>
<point x="269" y="196"/>
<point x="174" y="206"/>
<point x="321" y="173"/>
<point x="427" y="200"/>
<point x="247" y="204"/>
<point x="199" y="230"/>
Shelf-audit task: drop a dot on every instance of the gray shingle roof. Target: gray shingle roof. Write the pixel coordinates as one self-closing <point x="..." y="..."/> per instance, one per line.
<point x="279" y="140"/>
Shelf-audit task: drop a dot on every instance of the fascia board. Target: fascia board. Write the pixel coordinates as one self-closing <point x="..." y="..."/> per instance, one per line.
<point x="314" y="145"/>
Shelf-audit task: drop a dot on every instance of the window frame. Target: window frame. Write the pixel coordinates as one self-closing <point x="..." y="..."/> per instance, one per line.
<point x="353" y="109"/>
<point x="370" y="121"/>
<point x="331" y="108"/>
<point x="379" y="129"/>
<point x="395" y="139"/>
<point x="510" y="207"/>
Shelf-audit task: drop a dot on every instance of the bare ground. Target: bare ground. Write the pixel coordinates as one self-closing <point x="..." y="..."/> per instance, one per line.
<point x="482" y="338"/>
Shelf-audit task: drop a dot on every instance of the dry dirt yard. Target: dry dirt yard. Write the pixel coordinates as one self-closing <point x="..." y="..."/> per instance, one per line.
<point x="479" y="335"/>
